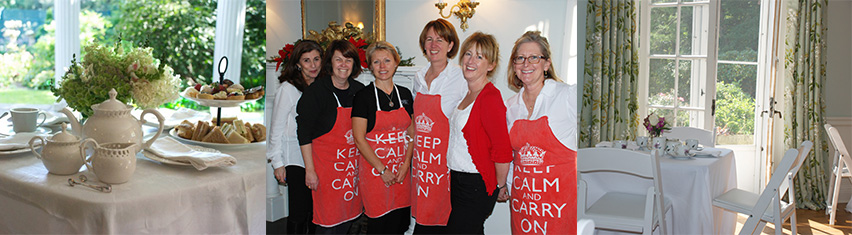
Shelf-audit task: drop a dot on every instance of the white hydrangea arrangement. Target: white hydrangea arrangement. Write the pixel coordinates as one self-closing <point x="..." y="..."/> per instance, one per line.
<point x="135" y="74"/>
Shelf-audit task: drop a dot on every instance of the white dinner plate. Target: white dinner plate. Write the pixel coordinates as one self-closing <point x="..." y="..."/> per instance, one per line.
<point x="681" y="158"/>
<point x="219" y="103"/>
<point x="173" y="132"/>
<point x="17" y="151"/>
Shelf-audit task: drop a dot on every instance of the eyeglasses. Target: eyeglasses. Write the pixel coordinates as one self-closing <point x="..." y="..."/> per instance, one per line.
<point x="533" y="59"/>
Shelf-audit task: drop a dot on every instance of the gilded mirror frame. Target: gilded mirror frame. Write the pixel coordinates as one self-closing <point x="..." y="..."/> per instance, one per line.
<point x="378" y="21"/>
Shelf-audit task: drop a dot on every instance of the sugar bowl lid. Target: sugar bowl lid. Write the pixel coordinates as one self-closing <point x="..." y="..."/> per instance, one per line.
<point x="111" y="103"/>
<point x="64" y="136"/>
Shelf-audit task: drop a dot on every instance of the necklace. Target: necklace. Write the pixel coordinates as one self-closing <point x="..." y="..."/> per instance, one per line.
<point x="390" y="101"/>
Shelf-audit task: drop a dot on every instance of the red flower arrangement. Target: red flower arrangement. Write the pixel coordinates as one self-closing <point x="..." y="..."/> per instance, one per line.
<point x="283" y="55"/>
<point x="361" y="45"/>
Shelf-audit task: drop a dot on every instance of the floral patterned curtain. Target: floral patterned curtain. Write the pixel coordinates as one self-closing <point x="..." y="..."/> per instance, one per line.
<point x="609" y="109"/>
<point x="804" y="97"/>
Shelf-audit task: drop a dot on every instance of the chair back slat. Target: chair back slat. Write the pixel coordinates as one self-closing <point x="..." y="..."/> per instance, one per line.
<point x="614" y="160"/>
<point x="704" y="137"/>
<point x="834" y="136"/>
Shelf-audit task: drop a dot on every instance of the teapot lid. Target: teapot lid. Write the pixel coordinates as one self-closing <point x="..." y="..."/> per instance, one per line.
<point x="112" y="103"/>
<point x="64" y="136"/>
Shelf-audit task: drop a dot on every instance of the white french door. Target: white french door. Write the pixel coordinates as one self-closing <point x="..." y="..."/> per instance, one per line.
<point x="709" y="64"/>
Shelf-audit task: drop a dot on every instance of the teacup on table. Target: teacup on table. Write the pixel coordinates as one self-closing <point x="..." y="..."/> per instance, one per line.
<point x="692" y="144"/>
<point x="26" y="119"/>
<point x="642" y="141"/>
<point x="620" y="144"/>
<point x="659" y="143"/>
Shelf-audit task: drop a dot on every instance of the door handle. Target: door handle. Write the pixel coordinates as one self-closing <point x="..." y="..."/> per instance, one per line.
<point x="771" y="110"/>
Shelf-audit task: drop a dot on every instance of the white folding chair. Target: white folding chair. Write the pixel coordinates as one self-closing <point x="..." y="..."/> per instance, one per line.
<point x="841" y="162"/>
<point x="638" y="213"/>
<point x="704" y="137"/>
<point x="769" y="206"/>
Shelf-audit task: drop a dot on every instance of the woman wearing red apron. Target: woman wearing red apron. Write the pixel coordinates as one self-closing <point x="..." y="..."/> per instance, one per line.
<point x="543" y="127"/>
<point x="325" y="135"/>
<point x="438" y="87"/>
<point x="479" y="153"/>
<point x="381" y="126"/>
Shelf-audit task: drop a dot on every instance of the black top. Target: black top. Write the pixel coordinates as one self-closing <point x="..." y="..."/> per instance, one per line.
<point x="317" y="109"/>
<point x="364" y="105"/>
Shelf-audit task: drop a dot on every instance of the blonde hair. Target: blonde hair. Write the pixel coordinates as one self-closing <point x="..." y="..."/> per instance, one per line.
<point x="381" y="45"/>
<point x="487" y="44"/>
<point x="531" y="36"/>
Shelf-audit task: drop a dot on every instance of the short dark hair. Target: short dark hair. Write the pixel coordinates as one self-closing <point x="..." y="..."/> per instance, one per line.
<point x="348" y="50"/>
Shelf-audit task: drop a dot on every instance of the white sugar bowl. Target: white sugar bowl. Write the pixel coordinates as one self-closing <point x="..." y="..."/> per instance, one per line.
<point x="61" y="152"/>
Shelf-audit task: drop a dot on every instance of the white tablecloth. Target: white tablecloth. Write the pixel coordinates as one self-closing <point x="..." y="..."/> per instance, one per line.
<point x="159" y="198"/>
<point x="691" y="185"/>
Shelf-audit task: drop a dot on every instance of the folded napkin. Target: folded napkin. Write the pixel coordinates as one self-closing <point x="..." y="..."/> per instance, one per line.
<point x="168" y="147"/>
<point x="604" y="144"/>
<point x="714" y="153"/>
<point x="17" y="141"/>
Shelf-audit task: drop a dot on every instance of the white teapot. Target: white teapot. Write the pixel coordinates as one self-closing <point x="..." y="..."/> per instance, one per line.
<point x="61" y="153"/>
<point x="113" y="123"/>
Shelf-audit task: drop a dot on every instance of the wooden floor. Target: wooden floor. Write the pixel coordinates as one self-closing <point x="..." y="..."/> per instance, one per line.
<point x="811" y="222"/>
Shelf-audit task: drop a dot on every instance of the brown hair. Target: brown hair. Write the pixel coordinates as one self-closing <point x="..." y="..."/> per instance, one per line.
<point x="445" y="30"/>
<point x="487" y="44"/>
<point x="381" y="45"/>
<point x="291" y="73"/>
<point x="347" y="50"/>
<point x="531" y="36"/>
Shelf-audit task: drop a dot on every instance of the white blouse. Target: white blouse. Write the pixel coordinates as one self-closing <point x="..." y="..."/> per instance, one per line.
<point x="557" y="101"/>
<point x="458" y="156"/>
<point x="282" y="145"/>
<point x="450" y="84"/>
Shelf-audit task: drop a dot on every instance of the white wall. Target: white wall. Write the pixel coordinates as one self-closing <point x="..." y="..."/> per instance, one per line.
<point x="505" y="19"/>
<point x="838" y="97"/>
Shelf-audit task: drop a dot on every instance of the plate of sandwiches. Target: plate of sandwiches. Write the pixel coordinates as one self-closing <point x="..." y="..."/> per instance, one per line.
<point x="230" y="134"/>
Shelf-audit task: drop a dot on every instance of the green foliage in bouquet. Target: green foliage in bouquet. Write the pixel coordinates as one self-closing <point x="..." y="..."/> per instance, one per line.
<point x="133" y="72"/>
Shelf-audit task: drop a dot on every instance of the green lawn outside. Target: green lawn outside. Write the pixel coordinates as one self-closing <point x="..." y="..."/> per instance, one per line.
<point x="26" y="96"/>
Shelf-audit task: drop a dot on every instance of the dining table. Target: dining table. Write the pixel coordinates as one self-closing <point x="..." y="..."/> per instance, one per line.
<point x="689" y="183"/>
<point x="159" y="198"/>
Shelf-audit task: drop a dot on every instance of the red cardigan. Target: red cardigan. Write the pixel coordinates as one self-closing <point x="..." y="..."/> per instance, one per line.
<point x="487" y="135"/>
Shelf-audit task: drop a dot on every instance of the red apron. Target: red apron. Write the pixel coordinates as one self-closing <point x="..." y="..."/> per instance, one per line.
<point x="430" y="175"/>
<point x="335" y="156"/>
<point x="387" y="139"/>
<point x="544" y="181"/>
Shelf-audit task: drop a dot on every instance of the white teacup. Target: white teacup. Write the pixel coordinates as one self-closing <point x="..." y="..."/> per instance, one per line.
<point x="26" y="119"/>
<point x="692" y="143"/>
<point x="642" y="141"/>
<point x="672" y="146"/>
<point x="659" y="143"/>
<point x="620" y="144"/>
<point x="682" y="151"/>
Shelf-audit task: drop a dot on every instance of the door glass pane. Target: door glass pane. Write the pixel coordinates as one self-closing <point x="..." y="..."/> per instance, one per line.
<point x="739" y="25"/>
<point x="663" y="25"/>
<point x="684" y="82"/>
<point x="661" y="82"/>
<point x="686" y="36"/>
<point x="663" y="112"/>
<point x="689" y="118"/>
<point x="735" y="104"/>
